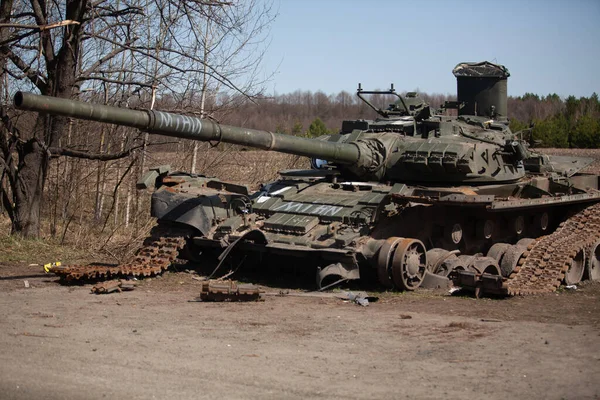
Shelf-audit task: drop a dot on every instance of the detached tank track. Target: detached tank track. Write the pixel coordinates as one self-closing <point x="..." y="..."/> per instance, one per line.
<point x="159" y="250"/>
<point x="546" y="261"/>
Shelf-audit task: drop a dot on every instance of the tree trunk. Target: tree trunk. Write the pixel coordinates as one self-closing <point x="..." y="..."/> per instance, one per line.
<point x="34" y="159"/>
<point x="28" y="192"/>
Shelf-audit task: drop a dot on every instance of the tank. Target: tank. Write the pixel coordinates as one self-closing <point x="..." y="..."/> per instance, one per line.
<point x="414" y="198"/>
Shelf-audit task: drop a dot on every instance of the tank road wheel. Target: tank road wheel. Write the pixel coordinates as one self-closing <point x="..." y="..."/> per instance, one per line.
<point x="386" y="252"/>
<point x="435" y="259"/>
<point x="525" y="242"/>
<point x="485" y="229"/>
<point x="497" y="251"/>
<point x="593" y="262"/>
<point x="409" y="264"/>
<point x="485" y="265"/>
<point x="576" y="268"/>
<point x="518" y="225"/>
<point x="510" y="260"/>
<point x="541" y="223"/>
<point x="453" y="233"/>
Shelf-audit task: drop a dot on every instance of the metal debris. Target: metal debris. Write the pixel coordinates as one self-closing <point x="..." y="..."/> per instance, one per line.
<point x="156" y="254"/>
<point x="359" y="298"/>
<point x="213" y="290"/>
<point x="116" y="285"/>
<point x="48" y="267"/>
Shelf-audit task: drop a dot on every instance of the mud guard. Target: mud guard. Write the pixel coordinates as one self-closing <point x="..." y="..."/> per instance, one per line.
<point x="344" y="271"/>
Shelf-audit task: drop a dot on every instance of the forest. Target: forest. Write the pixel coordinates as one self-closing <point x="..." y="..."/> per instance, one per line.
<point x="553" y="121"/>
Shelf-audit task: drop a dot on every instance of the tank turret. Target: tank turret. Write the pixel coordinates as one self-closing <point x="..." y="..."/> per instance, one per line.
<point x="407" y="144"/>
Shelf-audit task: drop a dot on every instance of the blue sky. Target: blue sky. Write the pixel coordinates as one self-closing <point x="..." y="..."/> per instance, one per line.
<point x="548" y="46"/>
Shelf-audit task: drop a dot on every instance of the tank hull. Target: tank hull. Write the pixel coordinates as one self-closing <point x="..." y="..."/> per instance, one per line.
<point x="349" y="223"/>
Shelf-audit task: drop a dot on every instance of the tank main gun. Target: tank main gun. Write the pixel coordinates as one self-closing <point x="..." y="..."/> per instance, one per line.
<point x="187" y="127"/>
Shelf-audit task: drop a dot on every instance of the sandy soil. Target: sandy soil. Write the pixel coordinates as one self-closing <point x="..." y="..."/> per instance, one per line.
<point x="60" y="342"/>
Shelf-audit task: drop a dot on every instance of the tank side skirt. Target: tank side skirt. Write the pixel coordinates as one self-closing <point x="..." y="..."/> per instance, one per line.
<point x="493" y="204"/>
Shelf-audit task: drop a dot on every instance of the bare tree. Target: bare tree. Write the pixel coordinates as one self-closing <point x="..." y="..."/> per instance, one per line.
<point x="131" y="51"/>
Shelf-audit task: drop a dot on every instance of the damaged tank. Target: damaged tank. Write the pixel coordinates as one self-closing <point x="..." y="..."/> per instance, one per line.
<point x="415" y="197"/>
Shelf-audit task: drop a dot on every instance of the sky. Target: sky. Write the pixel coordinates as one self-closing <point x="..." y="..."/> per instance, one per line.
<point x="549" y="46"/>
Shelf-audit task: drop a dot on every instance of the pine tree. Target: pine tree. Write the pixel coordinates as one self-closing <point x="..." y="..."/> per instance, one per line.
<point x="586" y="132"/>
<point x="297" y="128"/>
<point x="317" y="128"/>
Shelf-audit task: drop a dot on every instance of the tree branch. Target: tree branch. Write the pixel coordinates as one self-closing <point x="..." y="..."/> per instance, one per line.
<point x="7" y="203"/>
<point x="146" y="52"/>
<point x="115" y="191"/>
<point x="59" y="151"/>
<point x="40" y="16"/>
<point x="104" y="59"/>
<point x="39" y="27"/>
<point x="108" y="80"/>
<point x="36" y="79"/>
<point x="17" y="38"/>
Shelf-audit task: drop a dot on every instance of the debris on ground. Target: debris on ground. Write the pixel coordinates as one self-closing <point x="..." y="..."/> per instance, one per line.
<point x="48" y="267"/>
<point x="454" y="289"/>
<point x="26" y="283"/>
<point x="214" y="290"/>
<point x="116" y="285"/>
<point x="360" y="298"/>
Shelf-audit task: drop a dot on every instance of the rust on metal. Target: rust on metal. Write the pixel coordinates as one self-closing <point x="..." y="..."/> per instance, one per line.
<point x="115" y="285"/>
<point x="156" y="254"/>
<point x="214" y="290"/>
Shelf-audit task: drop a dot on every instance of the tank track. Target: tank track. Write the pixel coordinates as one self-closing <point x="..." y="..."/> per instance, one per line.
<point x="159" y="250"/>
<point x="543" y="266"/>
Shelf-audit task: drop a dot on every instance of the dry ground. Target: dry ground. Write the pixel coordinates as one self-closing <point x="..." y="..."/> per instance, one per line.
<point x="61" y="342"/>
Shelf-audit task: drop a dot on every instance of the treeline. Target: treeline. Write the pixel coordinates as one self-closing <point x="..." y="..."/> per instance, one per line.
<point x="307" y="113"/>
<point x="550" y="121"/>
<point x="571" y="122"/>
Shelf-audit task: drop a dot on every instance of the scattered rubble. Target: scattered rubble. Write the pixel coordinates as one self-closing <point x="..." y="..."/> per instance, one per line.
<point x="116" y="285"/>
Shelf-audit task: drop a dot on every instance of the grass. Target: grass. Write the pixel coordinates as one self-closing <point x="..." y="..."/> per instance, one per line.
<point x="36" y="251"/>
<point x="107" y="246"/>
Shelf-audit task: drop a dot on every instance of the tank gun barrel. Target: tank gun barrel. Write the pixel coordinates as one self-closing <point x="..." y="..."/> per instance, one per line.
<point x="188" y="127"/>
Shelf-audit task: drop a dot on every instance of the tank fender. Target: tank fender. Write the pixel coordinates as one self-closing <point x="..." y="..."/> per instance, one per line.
<point x="196" y="211"/>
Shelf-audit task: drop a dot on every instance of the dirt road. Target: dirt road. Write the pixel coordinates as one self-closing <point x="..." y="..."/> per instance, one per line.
<point x="59" y="342"/>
